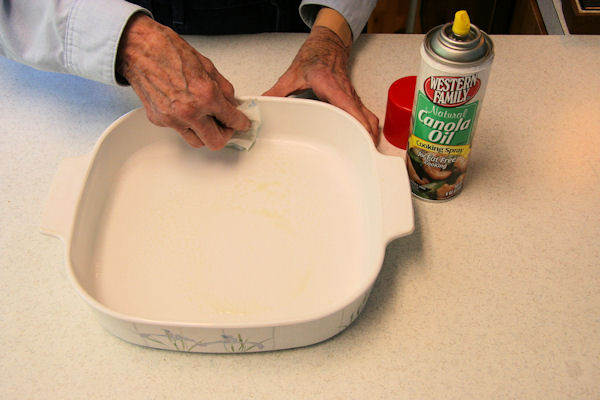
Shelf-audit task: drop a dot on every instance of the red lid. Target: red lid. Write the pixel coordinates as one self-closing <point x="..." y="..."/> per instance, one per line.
<point x="401" y="96"/>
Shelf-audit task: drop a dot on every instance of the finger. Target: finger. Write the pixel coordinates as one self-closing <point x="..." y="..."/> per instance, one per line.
<point x="187" y="134"/>
<point x="202" y="131"/>
<point x="184" y="130"/>
<point x="371" y="129"/>
<point x="278" y="90"/>
<point x="231" y="117"/>
<point x="373" y="123"/>
<point x="286" y="85"/>
<point x="358" y="111"/>
<point x="199" y="129"/>
<point x="348" y="103"/>
<point x="226" y="88"/>
<point x="191" y="138"/>
<point x="224" y="85"/>
<point x="211" y="133"/>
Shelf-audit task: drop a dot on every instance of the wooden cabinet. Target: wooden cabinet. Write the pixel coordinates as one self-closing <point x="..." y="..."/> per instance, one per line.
<point x="495" y="17"/>
<point x="527" y="19"/>
<point x="389" y="16"/>
<point x="582" y="16"/>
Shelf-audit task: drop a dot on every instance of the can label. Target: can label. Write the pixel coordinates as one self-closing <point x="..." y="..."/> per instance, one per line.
<point x="443" y="123"/>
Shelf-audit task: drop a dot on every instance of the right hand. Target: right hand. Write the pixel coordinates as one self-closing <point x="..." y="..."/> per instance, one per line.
<point x="179" y="87"/>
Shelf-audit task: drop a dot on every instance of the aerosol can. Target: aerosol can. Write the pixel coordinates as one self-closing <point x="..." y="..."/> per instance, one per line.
<point x="455" y="65"/>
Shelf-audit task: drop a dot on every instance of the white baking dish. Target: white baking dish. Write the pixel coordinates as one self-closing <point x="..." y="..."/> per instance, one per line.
<point x="192" y="250"/>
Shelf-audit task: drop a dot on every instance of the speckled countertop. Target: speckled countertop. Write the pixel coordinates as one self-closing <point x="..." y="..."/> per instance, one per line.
<point x="496" y="295"/>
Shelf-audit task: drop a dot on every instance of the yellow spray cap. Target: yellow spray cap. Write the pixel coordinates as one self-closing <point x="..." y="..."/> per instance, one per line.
<point x="462" y="24"/>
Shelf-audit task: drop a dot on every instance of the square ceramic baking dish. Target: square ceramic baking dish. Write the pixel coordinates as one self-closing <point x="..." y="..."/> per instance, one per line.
<point x="194" y="250"/>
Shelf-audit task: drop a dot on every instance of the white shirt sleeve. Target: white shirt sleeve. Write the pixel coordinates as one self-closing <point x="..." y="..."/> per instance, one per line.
<point x="79" y="37"/>
<point x="356" y="12"/>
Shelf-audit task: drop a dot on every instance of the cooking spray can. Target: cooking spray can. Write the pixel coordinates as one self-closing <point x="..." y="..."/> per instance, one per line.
<point x="455" y="66"/>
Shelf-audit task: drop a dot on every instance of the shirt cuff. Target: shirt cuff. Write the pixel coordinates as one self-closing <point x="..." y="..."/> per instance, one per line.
<point x="356" y="12"/>
<point x="94" y="29"/>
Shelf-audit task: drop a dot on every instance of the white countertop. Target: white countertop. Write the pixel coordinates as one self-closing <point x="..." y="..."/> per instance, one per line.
<point x="495" y="295"/>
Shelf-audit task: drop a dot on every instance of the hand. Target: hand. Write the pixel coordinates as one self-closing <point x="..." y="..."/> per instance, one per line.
<point x="179" y="87"/>
<point x="322" y="65"/>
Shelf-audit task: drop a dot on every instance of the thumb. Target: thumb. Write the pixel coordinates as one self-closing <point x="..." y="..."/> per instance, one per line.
<point x="278" y="90"/>
<point x="287" y="84"/>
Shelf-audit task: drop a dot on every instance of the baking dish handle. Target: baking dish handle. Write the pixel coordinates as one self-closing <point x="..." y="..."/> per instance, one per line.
<point x="65" y="189"/>
<point x="396" y="200"/>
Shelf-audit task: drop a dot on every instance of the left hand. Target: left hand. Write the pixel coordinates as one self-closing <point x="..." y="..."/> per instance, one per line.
<point x="322" y="65"/>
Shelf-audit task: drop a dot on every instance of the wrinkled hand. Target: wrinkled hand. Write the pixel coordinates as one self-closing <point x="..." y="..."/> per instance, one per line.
<point x="179" y="87"/>
<point x="322" y="65"/>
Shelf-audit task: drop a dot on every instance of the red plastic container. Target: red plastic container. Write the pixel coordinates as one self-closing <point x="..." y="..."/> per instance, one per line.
<point x="401" y="96"/>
